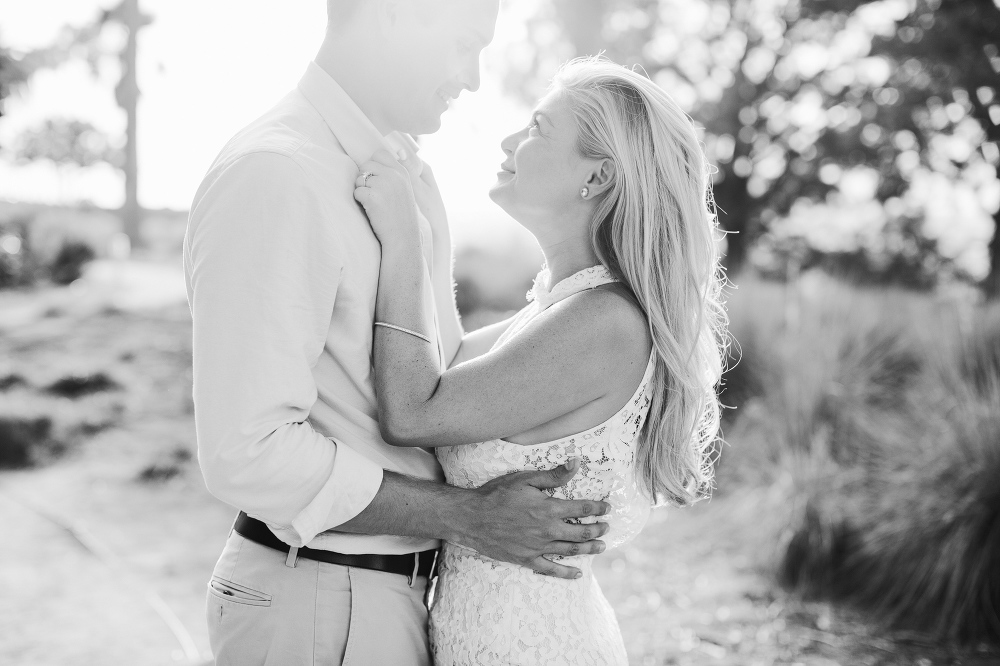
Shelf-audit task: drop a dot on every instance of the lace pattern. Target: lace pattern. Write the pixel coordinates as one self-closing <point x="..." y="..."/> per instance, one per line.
<point x="490" y="612"/>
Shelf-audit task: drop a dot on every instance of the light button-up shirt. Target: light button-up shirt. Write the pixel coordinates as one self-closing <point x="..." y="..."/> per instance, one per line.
<point x="282" y="271"/>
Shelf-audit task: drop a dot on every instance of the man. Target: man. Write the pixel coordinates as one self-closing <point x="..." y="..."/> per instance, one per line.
<point x="282" y="270"/>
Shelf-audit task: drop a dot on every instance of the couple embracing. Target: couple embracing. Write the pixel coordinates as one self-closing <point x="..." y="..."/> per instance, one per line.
<point x="371" y="444"/>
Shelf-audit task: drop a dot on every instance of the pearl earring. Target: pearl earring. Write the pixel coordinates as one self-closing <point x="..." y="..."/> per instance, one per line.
<point x="584" y="192"/>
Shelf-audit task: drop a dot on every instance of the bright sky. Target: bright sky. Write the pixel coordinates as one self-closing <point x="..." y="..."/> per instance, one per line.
<point x="206" y="69"/>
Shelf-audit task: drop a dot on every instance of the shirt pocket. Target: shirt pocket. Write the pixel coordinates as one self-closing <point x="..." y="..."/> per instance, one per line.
<point x="238" y="594"/>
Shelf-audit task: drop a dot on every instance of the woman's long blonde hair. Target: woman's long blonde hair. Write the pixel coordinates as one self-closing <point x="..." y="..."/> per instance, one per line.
<point x="655" y="229"/>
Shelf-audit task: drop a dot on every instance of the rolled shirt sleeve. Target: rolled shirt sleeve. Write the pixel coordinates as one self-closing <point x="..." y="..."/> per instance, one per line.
<point x="263" y="267"/>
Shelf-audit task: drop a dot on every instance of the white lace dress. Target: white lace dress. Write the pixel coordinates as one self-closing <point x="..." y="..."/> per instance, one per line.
<point x="491" y="612"/>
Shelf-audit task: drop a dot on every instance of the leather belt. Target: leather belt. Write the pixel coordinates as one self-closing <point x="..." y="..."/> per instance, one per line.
<point x="410" y="565"/>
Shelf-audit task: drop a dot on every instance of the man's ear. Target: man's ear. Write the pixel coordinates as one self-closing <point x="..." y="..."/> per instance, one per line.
<point x="601" y="177"/>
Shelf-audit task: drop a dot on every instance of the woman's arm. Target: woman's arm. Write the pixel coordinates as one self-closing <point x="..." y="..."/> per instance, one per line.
<point x="458" y="345"/>
<point x="481" y="340"/>
<point x="563" y="360"/>
<point x="430" y="203"/>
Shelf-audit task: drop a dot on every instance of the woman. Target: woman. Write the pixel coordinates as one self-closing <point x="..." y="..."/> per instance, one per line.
<point x="613" y="362"/>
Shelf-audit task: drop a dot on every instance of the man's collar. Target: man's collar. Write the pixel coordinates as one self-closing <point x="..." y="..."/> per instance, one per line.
<point x="346" y="120"/>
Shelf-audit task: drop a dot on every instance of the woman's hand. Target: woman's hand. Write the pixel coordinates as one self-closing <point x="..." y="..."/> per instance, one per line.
<point x="383" y="189"/>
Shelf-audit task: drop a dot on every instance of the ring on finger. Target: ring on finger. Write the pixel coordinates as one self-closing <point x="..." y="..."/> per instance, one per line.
<point x="365" y="175"/>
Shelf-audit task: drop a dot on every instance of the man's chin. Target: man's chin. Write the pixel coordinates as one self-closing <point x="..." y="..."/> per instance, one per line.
<point x="426" y="125"/>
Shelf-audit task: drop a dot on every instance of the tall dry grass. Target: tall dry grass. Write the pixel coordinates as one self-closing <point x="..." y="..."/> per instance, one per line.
<point x="866" y="448"/>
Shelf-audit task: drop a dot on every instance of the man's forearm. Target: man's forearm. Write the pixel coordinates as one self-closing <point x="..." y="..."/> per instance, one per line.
<point x="405" y="506"/>
<point x="509" y="518"/>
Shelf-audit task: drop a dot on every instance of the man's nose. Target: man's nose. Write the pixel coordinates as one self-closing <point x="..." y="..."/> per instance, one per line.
<point x="470" y="76"/>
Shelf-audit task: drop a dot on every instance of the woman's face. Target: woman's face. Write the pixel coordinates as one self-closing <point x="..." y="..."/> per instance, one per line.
<point x="543" y="172"/>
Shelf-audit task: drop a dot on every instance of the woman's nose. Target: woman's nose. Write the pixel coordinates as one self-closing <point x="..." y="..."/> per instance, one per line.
<point x="509" y="144"/>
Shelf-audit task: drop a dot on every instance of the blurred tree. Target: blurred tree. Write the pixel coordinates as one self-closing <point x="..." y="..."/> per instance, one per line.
<point x="944" y="70"/>
<point x="67" y="143"/>
<point x="10" y="75"/>
<point x="127" y="94"/>
<point x="16" y="70"/>
<point x="86" y="42"/>
<point x="795" y="94"/>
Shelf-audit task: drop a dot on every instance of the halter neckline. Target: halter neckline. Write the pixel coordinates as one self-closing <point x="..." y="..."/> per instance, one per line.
<point x="588" y="278"/>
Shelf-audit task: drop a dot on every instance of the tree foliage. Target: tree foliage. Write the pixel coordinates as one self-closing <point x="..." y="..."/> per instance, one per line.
<point x="67" y="142"/>
<point x="800" y="98"/>
<point x="85" y="43"/>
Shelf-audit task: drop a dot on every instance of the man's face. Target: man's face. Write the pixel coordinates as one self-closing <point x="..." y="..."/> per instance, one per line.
<point x="432" y="58"/>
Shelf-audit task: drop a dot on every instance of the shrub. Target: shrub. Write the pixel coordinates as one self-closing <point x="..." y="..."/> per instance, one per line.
<point x="76" y="386"/>
<point x="69" y="261"/>
<point x="166" y="469"/>
<point x="869" y="453"/>
<point x="19" y="266"/>
<point x="979" y="352"/>
<point x="24" y="440"/>
<point x="12" y="381"/>
<point x="916" y="540"/>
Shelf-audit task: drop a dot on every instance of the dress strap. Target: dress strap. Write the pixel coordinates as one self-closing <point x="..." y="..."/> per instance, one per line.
<point x="588" y="278"/>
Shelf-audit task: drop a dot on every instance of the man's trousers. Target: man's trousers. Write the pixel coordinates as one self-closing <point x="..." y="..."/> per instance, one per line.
<point x="261" y="611"/>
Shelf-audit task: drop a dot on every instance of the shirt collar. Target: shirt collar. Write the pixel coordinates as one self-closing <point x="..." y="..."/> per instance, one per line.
<point x="346" y="120"/>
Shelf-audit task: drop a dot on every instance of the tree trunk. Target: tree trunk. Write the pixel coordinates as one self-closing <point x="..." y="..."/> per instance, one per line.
<point x="128" y="99"/>
<point x="734" y="209"/>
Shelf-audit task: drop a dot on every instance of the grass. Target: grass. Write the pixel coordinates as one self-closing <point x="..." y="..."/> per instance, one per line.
<point x="867" y="435"/>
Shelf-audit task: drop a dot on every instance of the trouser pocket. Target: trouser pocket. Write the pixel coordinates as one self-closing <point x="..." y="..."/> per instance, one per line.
<point x="239" y="594"/>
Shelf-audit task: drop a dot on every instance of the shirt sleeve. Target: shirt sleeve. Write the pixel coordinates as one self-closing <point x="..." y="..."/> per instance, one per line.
<point x="263" y="266"/>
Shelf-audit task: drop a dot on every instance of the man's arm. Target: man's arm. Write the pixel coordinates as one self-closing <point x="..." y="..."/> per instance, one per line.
<point x="508" y="518"/>
<point x="263" y="267"/>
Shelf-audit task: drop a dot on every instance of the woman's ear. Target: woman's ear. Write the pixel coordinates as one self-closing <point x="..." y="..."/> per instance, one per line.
<point x="601" y="178"/>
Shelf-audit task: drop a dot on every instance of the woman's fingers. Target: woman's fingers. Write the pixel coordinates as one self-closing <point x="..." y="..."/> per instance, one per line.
<point x="362" y="195"/>
<point x="364" y="179"/>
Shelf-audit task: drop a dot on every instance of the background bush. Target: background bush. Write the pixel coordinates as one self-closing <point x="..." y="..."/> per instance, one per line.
<point x="867" y="441"/>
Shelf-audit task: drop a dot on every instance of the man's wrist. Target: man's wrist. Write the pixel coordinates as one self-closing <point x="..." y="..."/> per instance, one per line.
<point x="456" y="514"/>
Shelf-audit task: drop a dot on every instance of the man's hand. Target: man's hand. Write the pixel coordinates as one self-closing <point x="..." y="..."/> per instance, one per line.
<point x="512" y="520"/>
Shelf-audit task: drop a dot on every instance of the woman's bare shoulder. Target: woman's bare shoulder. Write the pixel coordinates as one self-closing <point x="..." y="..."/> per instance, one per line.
<point x="610" y="321"/>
